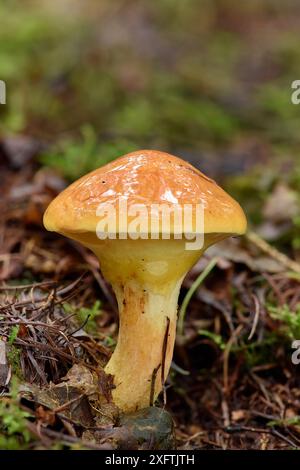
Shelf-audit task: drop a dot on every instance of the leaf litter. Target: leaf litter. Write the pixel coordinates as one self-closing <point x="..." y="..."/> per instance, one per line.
<point x="232" y="384"/>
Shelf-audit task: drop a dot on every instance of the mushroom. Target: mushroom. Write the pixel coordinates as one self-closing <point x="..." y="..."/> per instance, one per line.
<point x="145" y="270"/>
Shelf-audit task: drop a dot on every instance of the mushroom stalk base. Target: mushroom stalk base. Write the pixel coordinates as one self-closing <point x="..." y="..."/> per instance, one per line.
<point x="142" y="358"/>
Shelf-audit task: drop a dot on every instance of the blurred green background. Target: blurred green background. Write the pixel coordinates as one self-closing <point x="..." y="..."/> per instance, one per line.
<point x="209" y="80"/>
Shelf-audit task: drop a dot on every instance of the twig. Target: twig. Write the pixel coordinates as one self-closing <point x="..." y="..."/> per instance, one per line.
<point x="153" y="379"/>
<point x="27" y="286"/>
<point x="105" y="289"/>
<point x="274" y="432"/>
<point x="163" y="360"/>
<point x="226" y="357"/>
<point x="202" y="276"/>
<point x="273" y="252"/>
<point x="256" y="316"/>
<point x="284" y="438"/>
<point x="45" y="298"/>
<point x="97" y="275"/>
<point x="45" y="432"/>
<point x="81" y="326"/>
<point x="67" y="404"/>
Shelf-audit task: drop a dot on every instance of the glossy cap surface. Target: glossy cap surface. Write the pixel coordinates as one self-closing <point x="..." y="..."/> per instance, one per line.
<point x="143" y="177"/>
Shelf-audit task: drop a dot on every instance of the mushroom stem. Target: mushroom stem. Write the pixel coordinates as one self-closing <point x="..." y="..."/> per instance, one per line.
<point x="146" y="276"/>
<point x="142" y="358"/>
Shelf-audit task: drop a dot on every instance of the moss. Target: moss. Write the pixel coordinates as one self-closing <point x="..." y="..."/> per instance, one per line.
<point x="86" y="316"/>
<point x="14" y="433"/>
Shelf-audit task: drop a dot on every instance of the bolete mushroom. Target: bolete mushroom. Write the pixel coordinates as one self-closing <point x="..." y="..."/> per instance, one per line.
<point x="145" y="267"/>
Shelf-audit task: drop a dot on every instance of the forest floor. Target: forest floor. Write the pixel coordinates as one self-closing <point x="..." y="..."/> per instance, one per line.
<point x="232" y="383"/>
